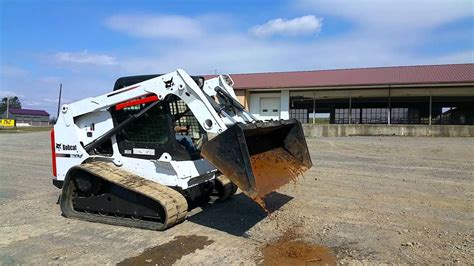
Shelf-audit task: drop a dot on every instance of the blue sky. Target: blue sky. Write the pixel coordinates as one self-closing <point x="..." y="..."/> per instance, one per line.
<point x="86" y="45"/>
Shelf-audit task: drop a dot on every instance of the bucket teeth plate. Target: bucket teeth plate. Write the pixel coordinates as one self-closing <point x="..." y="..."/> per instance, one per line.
<point x="260" y="157"/>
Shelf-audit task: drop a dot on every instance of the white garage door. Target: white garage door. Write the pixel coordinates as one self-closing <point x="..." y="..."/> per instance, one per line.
<point x="270" y="108"/>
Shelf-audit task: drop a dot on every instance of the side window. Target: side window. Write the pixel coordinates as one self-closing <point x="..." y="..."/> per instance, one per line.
<point x="151" y="127"/>
<point x="149" y="135"/>
<point x="153" y="133"/>
<point x="183" y="117"/>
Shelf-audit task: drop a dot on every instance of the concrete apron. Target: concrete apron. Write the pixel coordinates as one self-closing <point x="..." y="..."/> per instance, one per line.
<point x="330" y="130"/>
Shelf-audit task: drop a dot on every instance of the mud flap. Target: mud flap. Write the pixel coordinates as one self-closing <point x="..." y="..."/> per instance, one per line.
<point x="260" y="157"/>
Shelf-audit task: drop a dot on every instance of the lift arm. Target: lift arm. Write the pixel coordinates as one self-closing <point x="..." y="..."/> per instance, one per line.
<point x="178" y="83"/>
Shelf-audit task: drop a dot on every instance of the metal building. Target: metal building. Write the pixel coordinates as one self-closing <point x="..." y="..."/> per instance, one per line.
<point x="27" y="117"/>
<point x="427" y="94"/>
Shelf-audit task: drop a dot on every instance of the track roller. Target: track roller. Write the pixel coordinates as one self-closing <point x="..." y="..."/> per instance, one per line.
<point x="224" y="187"/>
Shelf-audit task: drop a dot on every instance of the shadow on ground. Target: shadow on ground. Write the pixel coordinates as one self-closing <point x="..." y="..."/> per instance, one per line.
<point x="237" y="215"/>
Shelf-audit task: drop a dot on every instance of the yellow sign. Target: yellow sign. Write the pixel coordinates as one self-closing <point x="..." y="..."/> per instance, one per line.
<point x="7" y="122"/>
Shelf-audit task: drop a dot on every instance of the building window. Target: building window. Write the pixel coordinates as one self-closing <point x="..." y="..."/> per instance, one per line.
<point x="374" y="116"/>
<point x="300" y="115"/>
<point x="341" y="116"/>
<point x="404" y="116"/>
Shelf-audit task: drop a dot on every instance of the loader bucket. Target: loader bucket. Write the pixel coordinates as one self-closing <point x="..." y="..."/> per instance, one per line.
<point x="260" y="157"/>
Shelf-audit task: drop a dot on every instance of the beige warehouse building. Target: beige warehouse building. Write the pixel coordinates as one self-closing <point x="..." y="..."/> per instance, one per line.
<point x="426" y="95"/>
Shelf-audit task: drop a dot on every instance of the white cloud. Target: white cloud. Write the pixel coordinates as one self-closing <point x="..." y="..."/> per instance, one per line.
<point x="237" y="53"/>
<point x="387" y="32"/>
<point x="146" y="26"/>
<point x="376" y="37"/>
<point x="55" y="100"/>
<point x="50" y="80"/>
<point x="12" y="71"/>
<point x="389" y="15"/>
<point x="459" y="57"/>
<point x="5" y="93"/>
<point x="298" y="26"/>
<point x="84" y="57"/>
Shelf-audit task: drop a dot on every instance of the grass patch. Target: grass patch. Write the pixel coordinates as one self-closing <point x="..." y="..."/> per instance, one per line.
<point x="24" y="129"/>
<point x="319" y="121"/>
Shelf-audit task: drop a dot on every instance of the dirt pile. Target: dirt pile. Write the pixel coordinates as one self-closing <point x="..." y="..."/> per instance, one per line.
<point x="297" y="253"/>
<point x="170" y="252"/>
<point x="289" y="251"/>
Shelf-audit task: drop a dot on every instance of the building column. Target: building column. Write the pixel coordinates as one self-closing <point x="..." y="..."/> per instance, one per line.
<point x="431" y="106"/>
<point x="285" y="104"/>
<point x="389" y="107"/>
<point x="314" y="108"/>
<point x="350" y="109"/>
<point x="247" y="99"/>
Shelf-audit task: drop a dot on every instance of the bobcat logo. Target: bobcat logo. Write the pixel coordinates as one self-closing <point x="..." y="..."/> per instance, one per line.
<point x="66" y="147"/>
<point x="169" y="83"/>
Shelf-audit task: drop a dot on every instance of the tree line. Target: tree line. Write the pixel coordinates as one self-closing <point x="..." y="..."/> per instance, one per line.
<point x="14" y="102"/>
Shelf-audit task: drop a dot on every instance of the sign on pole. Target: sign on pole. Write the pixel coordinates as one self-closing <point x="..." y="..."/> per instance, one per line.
<point x="7" y="122"/>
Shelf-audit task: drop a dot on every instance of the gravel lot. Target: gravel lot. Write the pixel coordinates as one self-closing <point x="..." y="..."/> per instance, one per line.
<point x="368" y="199"/>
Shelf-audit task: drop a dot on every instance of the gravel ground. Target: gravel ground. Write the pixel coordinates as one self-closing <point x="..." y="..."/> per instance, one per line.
<point x="368" y="199"/>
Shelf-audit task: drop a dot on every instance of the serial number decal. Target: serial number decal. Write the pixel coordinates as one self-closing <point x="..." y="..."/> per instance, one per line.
<point x="143" y="151"/>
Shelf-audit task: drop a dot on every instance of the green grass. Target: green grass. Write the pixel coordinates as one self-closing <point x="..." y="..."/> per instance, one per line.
<point x="319" y="121"/>
<point x="24" y="129"/>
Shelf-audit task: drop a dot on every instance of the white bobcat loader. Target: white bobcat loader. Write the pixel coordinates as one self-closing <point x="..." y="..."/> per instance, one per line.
<point x="123" y="158"/>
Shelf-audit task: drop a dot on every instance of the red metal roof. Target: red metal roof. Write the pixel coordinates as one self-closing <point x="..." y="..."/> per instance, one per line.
<point x="17" y="111"/>
<point x="400" y="75"/>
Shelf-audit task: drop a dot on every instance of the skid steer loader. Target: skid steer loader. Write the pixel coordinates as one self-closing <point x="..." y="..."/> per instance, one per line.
<point x="138" y="155"/>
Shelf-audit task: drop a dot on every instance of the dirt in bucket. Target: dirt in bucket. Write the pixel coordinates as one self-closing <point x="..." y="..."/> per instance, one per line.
<point x="273" y="169"/>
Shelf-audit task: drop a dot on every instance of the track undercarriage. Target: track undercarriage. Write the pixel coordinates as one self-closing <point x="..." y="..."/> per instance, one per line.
<point x="98" y="191"/>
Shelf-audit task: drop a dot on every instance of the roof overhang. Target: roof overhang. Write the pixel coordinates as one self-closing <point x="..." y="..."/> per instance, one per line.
<point x="365" y="87"/>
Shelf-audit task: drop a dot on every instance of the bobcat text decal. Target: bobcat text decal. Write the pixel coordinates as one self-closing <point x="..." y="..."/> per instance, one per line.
<point x="66" y="147"/>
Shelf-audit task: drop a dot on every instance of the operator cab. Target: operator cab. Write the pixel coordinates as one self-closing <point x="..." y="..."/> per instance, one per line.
<point x="153" y="133"/>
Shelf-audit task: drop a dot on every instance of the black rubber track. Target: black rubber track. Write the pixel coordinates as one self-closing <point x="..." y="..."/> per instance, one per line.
<point x="173" y="203"/>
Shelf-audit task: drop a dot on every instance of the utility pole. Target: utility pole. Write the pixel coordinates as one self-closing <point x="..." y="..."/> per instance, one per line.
<point x="59" y="98"/>
<point x="8" y="105"/>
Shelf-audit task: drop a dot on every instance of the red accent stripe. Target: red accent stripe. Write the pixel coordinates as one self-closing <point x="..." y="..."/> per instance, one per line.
<point x="148" y="99"/>
<point x="53" y="153"/>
